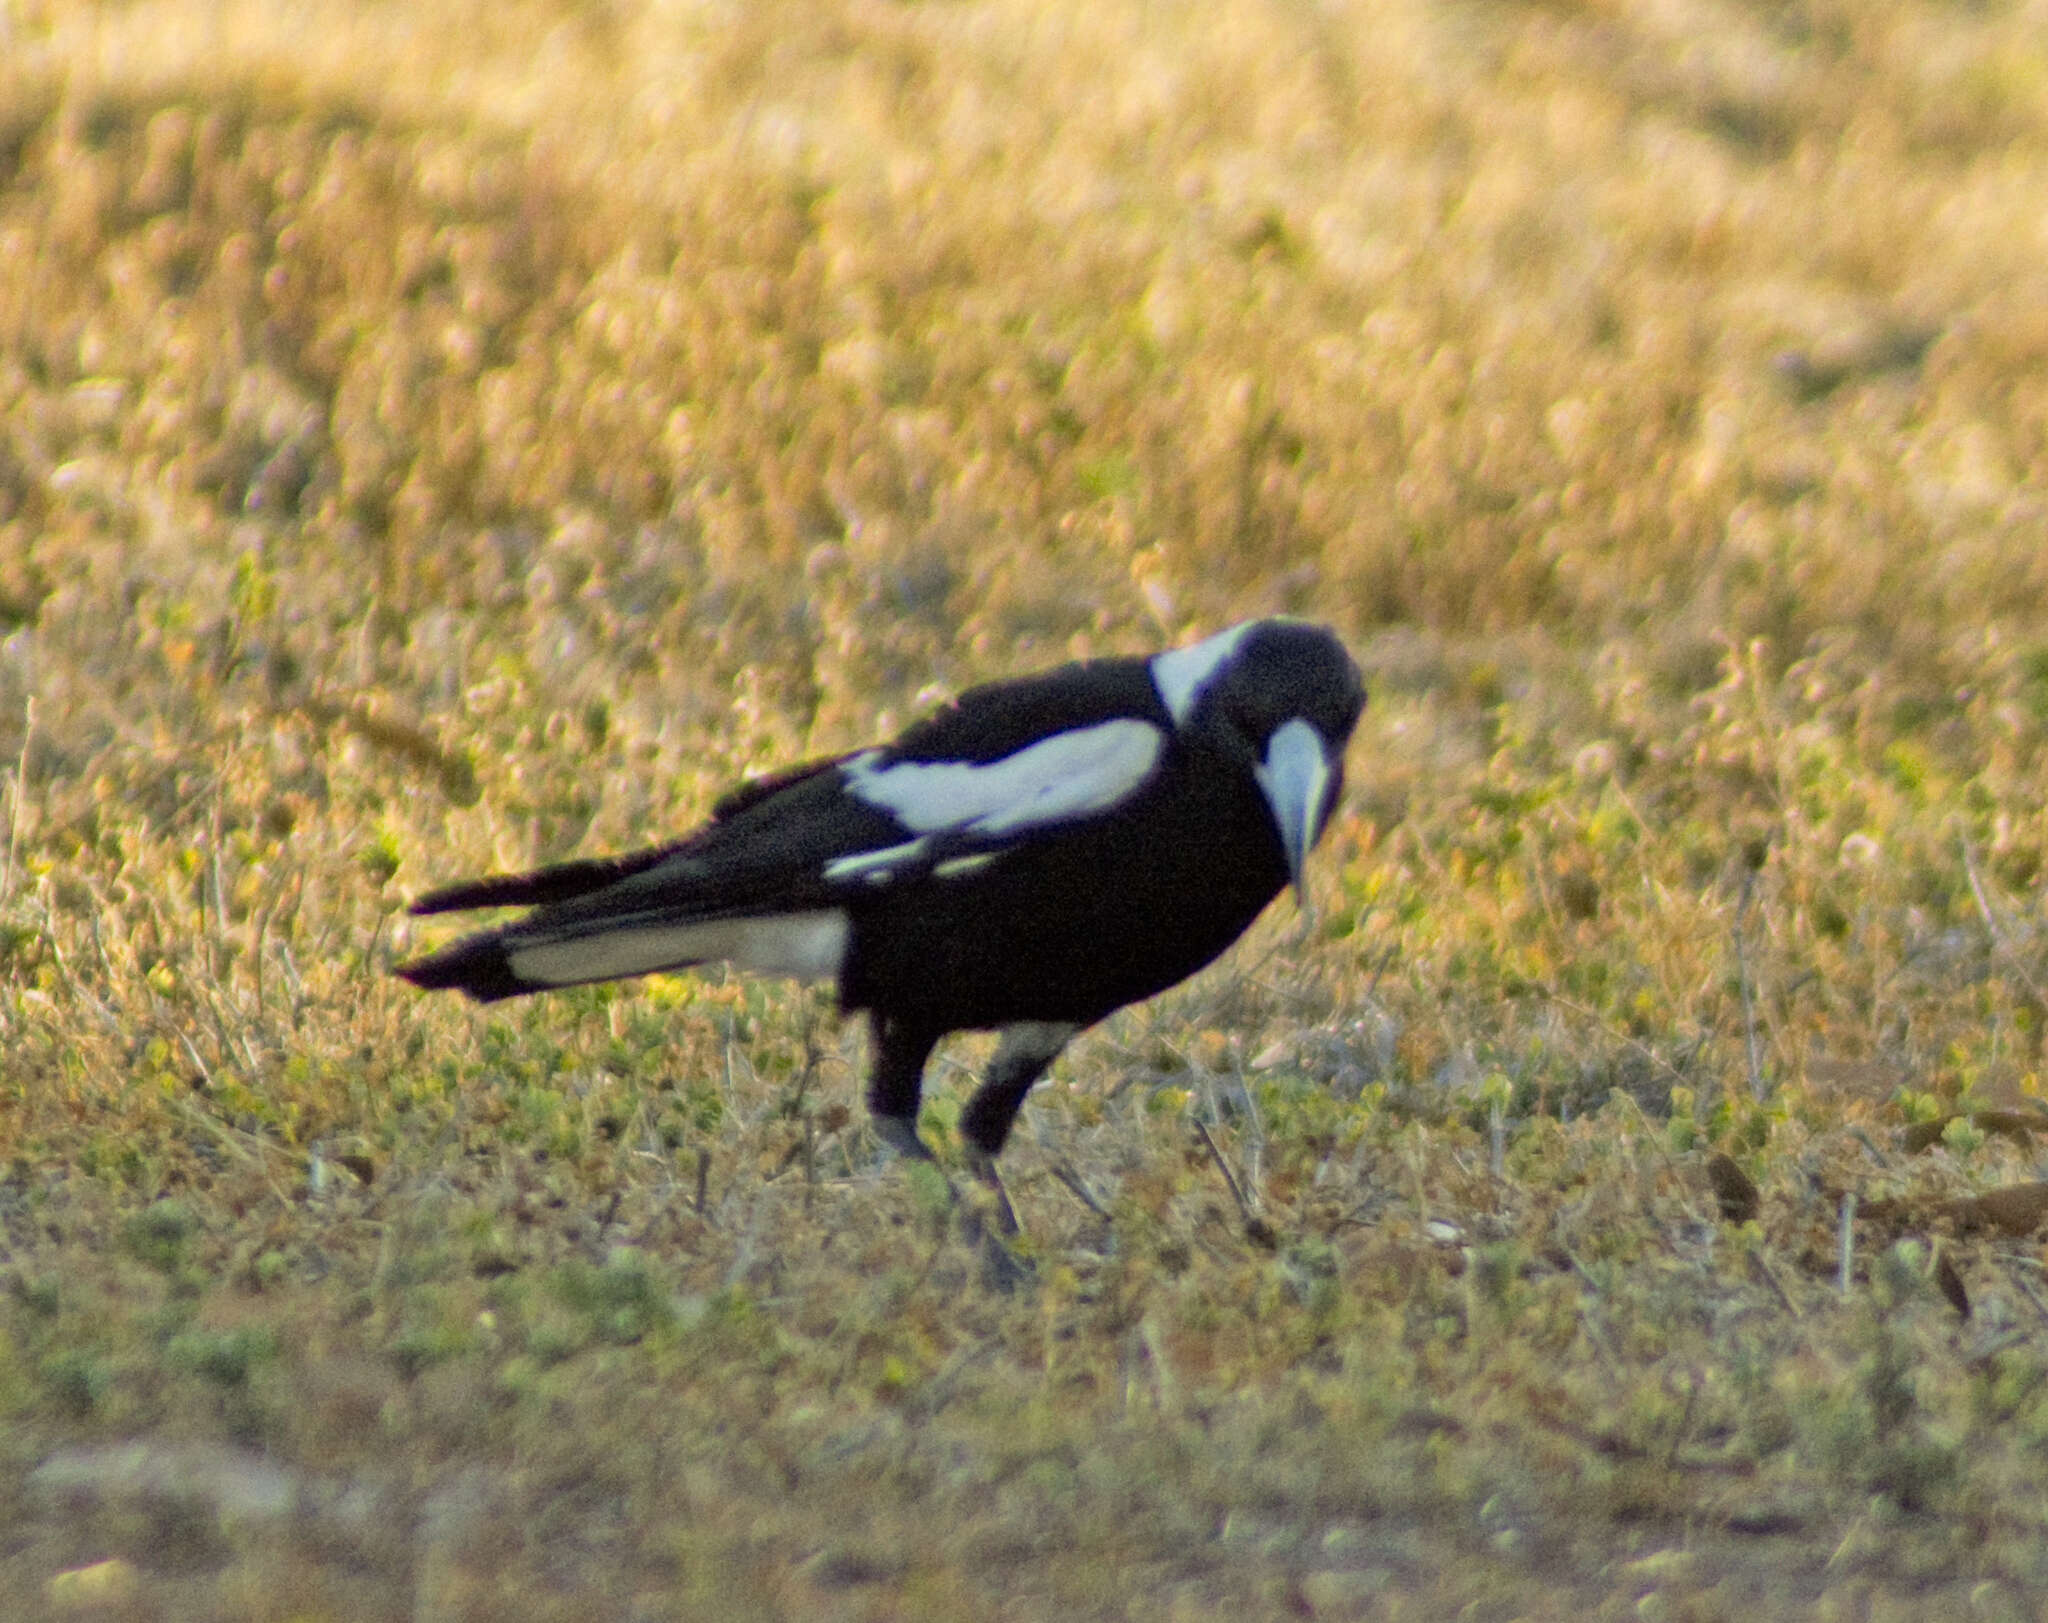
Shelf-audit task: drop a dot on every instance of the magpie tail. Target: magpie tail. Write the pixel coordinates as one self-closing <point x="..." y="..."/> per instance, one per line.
<point x="548" y="951"/>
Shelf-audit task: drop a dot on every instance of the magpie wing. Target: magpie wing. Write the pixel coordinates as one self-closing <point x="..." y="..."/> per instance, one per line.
<point x="1002" y="764"/>
<point x="1005" y="765"/>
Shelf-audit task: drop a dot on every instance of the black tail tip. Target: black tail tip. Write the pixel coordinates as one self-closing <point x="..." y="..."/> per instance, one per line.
<point x="476" y="967"/>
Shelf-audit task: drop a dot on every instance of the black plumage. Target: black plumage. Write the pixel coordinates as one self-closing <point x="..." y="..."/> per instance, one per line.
<point x="1031" y="857"/>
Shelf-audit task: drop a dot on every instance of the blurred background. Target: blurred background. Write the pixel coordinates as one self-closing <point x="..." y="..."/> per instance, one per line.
<point x="446" y="436"/>
<point x="453" y="436"/>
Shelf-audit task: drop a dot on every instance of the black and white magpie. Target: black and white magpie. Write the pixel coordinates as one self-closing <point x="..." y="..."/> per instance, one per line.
<point x="1033" y="856"/>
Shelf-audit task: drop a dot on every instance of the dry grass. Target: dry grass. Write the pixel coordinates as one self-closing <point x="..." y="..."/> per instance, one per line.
<point x="442" y="437"/>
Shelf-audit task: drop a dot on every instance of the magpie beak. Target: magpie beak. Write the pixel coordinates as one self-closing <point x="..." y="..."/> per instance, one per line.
<point x="1295" y="779"/>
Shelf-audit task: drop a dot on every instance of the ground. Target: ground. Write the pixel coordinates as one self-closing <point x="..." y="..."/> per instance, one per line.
<point x="445" y="437"/>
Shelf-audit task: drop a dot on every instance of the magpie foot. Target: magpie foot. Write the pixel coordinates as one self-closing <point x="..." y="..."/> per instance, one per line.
<point x="983" y="1228"/>
<point x="1002" y="1269"/>
<point x="983" y="1166"/>
<point x="989" y="1222"/>
<point x="899" y="1135"/>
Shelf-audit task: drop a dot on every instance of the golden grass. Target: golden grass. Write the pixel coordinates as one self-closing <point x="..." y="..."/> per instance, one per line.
<point x="440" y="437"/>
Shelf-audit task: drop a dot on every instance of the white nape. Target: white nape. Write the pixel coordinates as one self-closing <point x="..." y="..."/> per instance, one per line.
<point x="1056" y="780"/>
<point x="809" y="946"/>
<point x="1181" y="674"/>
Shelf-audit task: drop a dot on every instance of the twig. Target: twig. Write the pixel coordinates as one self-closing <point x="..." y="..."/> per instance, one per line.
<point x="290" y="966"/>
<point x="742" y="1262"/>
<point x="229" y="1138"/>
<point x="28" y="727"/>
<point x="259" y="922"/>
<point x="209" y="998"/>
<point x="1985" y="1351"/>
<point x="1756" y="1068"/>
<point x="216" y="938"/>
<point x="810" y="1068"/>
<point x="1254" y="1225"/>
<point x="1694" y="1381"/>
<point x="72" y="984"/>
<point x="2019" y="1284"/>
<point x="1080" y="1191"/>
<point x="1373" y="981"/>
<point x="933" y="1395"/>
<point x="1845" y="1271"/>
<point x="1593" y="1017"/>
<point x="1999" y="938"/>
<point x="1223" y="1166"/>
<point x="1768" y="1275"/>
<point x="703" y="1178"/>
<point x="1256" y="1139"/>
<point x="1165" y="1390"/>
<point x="810" y="1149"/>
<point x="1589" y="1320"/>
<point x="192" y="1053"/>
<point x="99" y="945"/>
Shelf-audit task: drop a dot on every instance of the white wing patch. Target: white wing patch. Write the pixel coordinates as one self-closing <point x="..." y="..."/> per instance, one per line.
<point x="1180" y="674"/>
<point x="878" y="865"/>
<point x="1056" y="780"/>
<point x="809" y="946"/>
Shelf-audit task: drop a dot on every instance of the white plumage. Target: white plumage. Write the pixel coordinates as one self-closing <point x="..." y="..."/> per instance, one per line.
<point x="809" y="946"/>
<point x="1069" y="775"/>
<point x="1181" y="674"/>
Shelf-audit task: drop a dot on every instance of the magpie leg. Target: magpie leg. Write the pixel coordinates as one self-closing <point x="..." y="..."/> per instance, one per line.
<point x="1024" y="1054"/>
<point x="897" y="1084"/>
<point x="1021" y="1058"/>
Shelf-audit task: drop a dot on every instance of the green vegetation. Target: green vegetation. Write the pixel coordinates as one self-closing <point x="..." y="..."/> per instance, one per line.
<point x="453" y="436"/>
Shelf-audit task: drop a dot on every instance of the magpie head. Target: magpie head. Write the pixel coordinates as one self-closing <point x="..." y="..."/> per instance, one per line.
<point x="1279" y="699"/>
